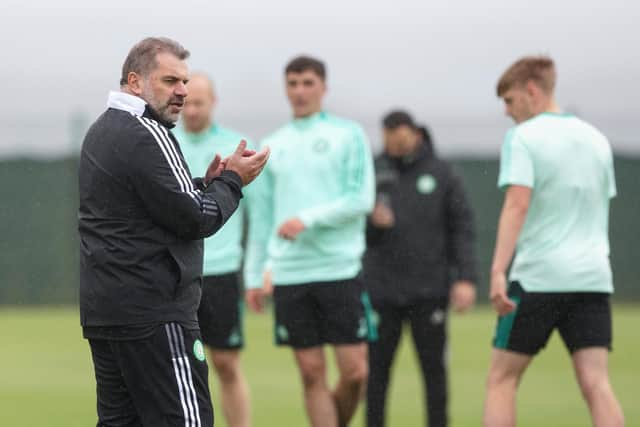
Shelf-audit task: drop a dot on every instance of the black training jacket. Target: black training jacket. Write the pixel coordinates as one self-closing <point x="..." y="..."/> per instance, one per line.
<point x="431" y="244"/>
<point x="142" y="219"/>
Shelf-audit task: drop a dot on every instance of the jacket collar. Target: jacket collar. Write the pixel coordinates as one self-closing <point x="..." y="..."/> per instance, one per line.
<point x="150" y="113"/>
<point x="125" y="102"/>
<point x="134" y="105"/>
<point x="306" y="122"/>
<point x="409" y="160"/>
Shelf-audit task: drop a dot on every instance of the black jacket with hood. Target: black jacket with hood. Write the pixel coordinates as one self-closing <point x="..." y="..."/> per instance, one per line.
<point x="431" y="244"/>
<point x="141" y="221"/>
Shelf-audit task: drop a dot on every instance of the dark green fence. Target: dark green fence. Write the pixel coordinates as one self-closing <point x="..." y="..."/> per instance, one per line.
<point x="39" y="250"/>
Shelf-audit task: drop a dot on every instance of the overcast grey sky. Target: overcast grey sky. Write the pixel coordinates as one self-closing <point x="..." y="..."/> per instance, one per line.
<point x="440" y="60"/>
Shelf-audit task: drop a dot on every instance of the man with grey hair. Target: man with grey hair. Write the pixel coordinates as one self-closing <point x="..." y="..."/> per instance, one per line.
<point x="142" y="218"/>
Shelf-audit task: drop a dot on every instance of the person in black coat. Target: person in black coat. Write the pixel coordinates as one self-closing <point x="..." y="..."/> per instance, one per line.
<point x="141" y="220"/>
<point x="419" y="260"/>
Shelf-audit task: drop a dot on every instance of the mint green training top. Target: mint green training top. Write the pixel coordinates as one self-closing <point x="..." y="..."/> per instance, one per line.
<point x="321" y="171"/>
<point x="223" y="250"/>
<point x="564" y="244"/>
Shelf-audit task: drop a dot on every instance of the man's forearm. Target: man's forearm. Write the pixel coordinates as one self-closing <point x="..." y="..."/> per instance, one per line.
<point x="511" y="221"/>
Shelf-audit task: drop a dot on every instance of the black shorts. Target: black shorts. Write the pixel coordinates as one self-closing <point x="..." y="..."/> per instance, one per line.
<point x="220" y="312"/>
<point x="313" y="314"/>
<point x="583" y="320"/>
<point x="160" y="380"/>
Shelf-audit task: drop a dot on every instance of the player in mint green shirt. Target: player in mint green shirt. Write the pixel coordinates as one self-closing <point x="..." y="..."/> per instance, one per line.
<point x="557" y="173"/>
<point x="220" y="311"/>
<point x="308" y="231"/>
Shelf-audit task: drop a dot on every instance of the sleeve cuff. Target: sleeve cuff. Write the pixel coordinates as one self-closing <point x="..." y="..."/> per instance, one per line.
<point x="307" y="219"/>
<point x="231" y="177"/>
<point x="199" y="183"/>
<point x="504" y="184"/>
<point x="253" y="284"/>
<point x="473" y="278"/>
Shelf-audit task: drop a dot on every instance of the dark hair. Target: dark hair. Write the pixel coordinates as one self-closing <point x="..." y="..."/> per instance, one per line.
<point x="539" y="69"/>
<point x="142" y="56"/>
<point x="397" y="118"/>
<point x="303" y="63"/>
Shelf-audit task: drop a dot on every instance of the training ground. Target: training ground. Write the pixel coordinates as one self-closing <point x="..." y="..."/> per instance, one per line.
<point x="46" y="378"/>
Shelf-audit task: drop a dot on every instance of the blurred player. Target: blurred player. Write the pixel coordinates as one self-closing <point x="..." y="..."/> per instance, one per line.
<point x="557" y="171"/>
<point x="312" y="208"/>
<point x="220" y="311"/>
<point x="419" y="260"/>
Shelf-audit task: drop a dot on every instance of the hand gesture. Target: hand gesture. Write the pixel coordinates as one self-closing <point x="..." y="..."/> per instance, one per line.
<point x="254" y="299"/>
<point x="382" y="216"/>
<point x="462" y="296"/>
<point x="247" y="163"/>
<point x="291" y="228"/>
<point x="214" y="170"/>
<point x="498" y="295"/>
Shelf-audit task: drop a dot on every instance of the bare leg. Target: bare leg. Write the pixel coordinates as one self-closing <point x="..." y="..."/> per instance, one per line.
<point x="354" y="368"/>
<point x="321" y="408"/>
<point x="592" y="372"/>
<point x="505" y="373"/>
<point x="233" y="387"/>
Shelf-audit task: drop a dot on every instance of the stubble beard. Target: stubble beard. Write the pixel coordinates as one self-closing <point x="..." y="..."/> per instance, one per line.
<point x="161" y="109"/>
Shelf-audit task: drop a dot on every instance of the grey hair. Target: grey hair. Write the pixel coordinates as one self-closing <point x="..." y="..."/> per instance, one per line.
<point x="142" y="56"/>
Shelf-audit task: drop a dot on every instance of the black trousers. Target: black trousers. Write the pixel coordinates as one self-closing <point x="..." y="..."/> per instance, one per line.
<point x="428" y="321"/>
<point x="156" y="381"/>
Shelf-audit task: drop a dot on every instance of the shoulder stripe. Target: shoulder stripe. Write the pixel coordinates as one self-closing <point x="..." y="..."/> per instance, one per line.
<point x="172" y="153"/>
<point x="167" y="157"/>
<point x="172" y="147"/>
<point x="173" y="162"/>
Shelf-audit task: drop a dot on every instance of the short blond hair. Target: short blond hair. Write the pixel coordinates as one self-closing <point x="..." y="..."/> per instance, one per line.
<point x="539" y="69"/>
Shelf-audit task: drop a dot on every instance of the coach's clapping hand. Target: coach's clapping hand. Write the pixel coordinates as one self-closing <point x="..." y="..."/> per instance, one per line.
<point x="247" y="163"/>
<point x="214" y="170"/>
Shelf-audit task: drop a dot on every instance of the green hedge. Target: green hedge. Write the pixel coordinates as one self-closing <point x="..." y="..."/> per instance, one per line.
<point x="39" y="245"/>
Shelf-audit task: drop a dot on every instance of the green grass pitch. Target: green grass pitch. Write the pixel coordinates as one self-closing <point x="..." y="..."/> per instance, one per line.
<point x="46" y="377"/>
